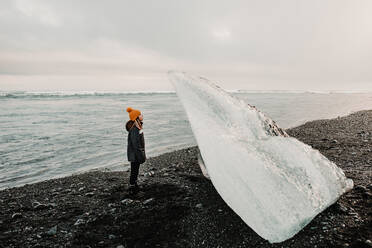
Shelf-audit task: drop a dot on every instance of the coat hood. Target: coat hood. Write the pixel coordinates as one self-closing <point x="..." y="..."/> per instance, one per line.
<point x="129" y="124"/>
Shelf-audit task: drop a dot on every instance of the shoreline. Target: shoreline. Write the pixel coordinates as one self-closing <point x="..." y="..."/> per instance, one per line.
<point x="344" y="114"/>
<point x="178" y="207"/>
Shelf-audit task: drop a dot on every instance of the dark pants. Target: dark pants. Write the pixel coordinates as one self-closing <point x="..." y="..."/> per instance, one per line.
<point x="134" y="168"/>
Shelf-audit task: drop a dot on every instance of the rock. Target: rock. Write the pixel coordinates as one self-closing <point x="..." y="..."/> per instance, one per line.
<point x="16" y="215"/>
<point x="368" y="243"/>
<point x="199" y="205"/>
<point x="112" y="236"/>
<point x="37" y="205"/>
<point x="52" y="204"/>
<point x="81" y="189"/>
<point x="127" y="201"/>
<point x="28" y="228"/>
<point x="367" y="195"/>
<point x="369" y="186"/>
<point x="360" y="188"/>
<point x="89" y="194"/>
<point x="149" y="174"/>
<point x="79" y="222"/>
<point x="341" y="208"/>
<point x="120" y="246"/>
<point x="52" y="231"/>
<point x="148" y="201"/>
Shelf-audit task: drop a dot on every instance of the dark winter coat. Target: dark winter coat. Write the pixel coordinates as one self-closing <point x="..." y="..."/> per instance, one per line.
<point x="136" y="143"/>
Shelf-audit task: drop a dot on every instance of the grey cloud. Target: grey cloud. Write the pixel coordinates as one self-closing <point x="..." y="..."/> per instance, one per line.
<point x="243" y="42"/>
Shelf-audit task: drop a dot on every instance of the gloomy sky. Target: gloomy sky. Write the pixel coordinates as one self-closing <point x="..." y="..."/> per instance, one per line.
<point x="130" y="45"/>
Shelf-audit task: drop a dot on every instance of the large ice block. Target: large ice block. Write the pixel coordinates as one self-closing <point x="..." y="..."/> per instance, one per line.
<point x="274" y="182"/>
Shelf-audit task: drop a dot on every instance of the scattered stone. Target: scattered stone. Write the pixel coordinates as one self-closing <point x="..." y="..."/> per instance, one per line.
<point x="367" y="195"/>
<point x="127" y="201"/>
<point x="120" y="246"/>
<point x="28" y="228"/>
<point x="89" y="194"/>
<point x="149" y="174"/>
<point x="79" y="222"/>
<point x="199" y="205"/>
<point x="37" y="205"/>
<point x="52" y="231"/>
<point x="341" y="208"/>
<point x="360" y="188"/>
<point x="112" y="236"/>
<point x="16" y="215"/>
<point x="369" y="186"/>
<point x="148" y="201"/>
<point x="368" y="243"/>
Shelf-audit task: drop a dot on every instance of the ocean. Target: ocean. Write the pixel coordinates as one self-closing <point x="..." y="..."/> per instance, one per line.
<point x="47" y="135"/>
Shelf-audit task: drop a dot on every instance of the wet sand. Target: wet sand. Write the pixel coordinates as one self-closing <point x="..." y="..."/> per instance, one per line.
<point x="178" y="207"/>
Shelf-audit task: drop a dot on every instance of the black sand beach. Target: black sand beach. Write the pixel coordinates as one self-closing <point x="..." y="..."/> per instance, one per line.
<point x="178" y="207"/>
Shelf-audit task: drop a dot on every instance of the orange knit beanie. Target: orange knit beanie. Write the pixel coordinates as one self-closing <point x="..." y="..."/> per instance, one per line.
<point x="133" y="113"/>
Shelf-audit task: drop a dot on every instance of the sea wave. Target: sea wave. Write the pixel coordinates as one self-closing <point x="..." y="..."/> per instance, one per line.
<point x="32" y="94"/>
<point x="66" y="94"/>
<point x="299" y="91"/>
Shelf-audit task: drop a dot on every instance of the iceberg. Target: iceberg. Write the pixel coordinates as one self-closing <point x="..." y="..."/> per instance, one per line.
<point x="274" y="182"/>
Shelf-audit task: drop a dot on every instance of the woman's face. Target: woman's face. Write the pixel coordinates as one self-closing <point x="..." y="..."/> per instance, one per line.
<point x="140" y="117"/>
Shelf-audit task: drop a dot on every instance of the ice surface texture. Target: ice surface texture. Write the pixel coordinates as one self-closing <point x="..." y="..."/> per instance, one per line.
<point x="274" y="182"/>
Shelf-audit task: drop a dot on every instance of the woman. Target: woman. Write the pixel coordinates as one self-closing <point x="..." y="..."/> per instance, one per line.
<point x="136" y="145"/>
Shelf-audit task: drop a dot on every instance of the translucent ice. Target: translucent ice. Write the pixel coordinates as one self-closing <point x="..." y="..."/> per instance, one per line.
<point x="274" y="182"/>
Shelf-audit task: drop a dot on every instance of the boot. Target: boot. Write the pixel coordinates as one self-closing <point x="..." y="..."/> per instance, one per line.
<point x="134" y="187"/>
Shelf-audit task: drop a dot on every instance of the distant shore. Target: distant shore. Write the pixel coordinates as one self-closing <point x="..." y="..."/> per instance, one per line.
<point x="178" y="207"/>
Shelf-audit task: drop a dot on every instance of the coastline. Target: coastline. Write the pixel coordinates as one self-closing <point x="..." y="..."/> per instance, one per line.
<point x="178" y="207"/>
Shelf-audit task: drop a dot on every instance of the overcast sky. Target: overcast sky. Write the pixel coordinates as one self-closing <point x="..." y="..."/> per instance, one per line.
<point x="130" y="45"/>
